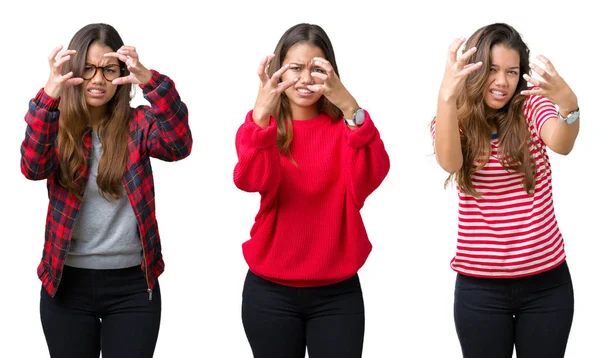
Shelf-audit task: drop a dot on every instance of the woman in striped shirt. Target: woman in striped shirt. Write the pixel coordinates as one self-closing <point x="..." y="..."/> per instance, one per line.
<point x="491" y="131"/>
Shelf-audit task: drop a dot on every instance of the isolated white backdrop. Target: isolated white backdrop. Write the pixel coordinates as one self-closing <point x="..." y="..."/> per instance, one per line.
<point x="391" y="58"/>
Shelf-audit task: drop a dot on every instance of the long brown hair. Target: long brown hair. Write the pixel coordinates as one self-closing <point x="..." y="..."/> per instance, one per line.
<point x="312" y="35"/>
<point x="474" y="118"/>
<point x="75" y="118"/>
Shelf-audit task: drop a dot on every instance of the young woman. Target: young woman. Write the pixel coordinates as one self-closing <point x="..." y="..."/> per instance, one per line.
<point x="102" y="253"/>
<point x="491" y="132"/>
<point x="314" y="156"/>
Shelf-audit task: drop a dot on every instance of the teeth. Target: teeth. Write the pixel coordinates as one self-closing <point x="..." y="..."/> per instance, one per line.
<point x="302" y="90"/>
<point x="96" y="91"/>
<point x="498" y="93"/>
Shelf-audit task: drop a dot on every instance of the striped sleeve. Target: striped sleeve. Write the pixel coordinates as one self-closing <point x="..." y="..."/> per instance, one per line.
<point x="432" y="130"/>
<point x="538" y="110"/>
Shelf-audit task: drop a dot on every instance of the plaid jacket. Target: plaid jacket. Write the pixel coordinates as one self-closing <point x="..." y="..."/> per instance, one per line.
<point x="160" y="131"/>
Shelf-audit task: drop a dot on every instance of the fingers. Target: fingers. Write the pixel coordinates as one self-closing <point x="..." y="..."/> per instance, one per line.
<point x="319" y="75"/>
<point x="549" y="66"/>
<point x="465" y="56"/>
<point x="470" y="68"/>
<point x="128" y="51"/>
<point x="127" y="48"/>
<point x="68" y="79"/>
<point x="124" y="80"/>
<point x="122" y="58"/>
<point x="74" y="81"/>
<point x="533" y="81"/>
<point x="453" y="48"/>
<point x="277" y="75"/>
<point x="324" y="64"/>
<point x="54" y="52"/>
<point x="262" y="68"/>
<point x="540" y="71"/>
<point x="58" y="63"/>
<point x="533" y="92"/>
<point x="317" y="88"/>
<point x="282" y="86"/>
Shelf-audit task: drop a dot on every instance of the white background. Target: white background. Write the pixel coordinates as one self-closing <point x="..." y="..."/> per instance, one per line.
<point x="391" y="58"/>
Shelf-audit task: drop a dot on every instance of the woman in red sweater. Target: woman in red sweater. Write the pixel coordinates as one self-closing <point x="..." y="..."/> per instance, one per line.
<point x="513" y="287"/>
<point x="314" y="156"/>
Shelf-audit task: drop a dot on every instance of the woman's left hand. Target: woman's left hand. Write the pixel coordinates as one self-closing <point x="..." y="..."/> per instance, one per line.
<point x="551" y="86"/>
<point x="137" y="72"/>
<point x="332" y="88"/>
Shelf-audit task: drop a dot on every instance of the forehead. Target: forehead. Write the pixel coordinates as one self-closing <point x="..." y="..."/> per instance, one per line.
<point x="95" y="54"/>
<point x="303" y="52"/>
<point x="505" y="56"/>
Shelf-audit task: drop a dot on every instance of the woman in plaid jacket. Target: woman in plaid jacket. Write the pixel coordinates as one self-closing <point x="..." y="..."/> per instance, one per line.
<point x="102" y="253"/>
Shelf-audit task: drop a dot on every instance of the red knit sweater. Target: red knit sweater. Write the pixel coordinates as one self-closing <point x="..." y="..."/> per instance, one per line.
<point x="308" y="230"/>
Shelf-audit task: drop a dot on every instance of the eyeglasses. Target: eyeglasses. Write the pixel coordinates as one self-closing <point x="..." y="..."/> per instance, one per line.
<point x="109" y="72"/>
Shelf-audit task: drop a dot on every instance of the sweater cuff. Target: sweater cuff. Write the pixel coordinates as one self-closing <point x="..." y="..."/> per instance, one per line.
<point x="259" y="137"/>
<point x="43" y="100"/>
<point x="362" y="135"/>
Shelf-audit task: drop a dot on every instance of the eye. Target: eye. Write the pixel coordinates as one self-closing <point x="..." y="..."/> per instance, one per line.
<point x="88" y="69"/>
<point x="513" y="72"/>
<point x="109" y="70"/>
<point x="294" y="68"/>
<point x="318" y="70"/>
<point x="492" y="69"/>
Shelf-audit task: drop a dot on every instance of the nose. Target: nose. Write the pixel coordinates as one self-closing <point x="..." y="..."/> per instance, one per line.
<point x="501" y="79"/>
<point x="305" y="77"/>
<point x="98" y="76"/>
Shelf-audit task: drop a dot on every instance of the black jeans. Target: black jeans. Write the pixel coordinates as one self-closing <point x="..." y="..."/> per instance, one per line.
<point x="533" y="314"/>
<point x="101" y="309"/>
<point x="282" y="321"/>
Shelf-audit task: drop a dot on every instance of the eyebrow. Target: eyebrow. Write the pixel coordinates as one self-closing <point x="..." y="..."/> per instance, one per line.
<point x="108" y="64"/>
<point x="510" y="68"/>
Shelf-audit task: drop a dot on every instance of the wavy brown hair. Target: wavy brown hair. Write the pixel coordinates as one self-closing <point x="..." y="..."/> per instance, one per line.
<point x="474" y="118"/>
<point x="113" y="130"/>
<point x="309" y="34"/>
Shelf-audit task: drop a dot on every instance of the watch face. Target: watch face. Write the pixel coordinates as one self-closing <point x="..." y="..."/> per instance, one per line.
<point x="571" y="118"/>
<point x="359" y="116"/>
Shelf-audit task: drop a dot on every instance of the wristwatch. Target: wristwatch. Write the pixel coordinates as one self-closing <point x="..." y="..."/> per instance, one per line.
<point x="571" y="118"/>
<point x="357" y="119"/>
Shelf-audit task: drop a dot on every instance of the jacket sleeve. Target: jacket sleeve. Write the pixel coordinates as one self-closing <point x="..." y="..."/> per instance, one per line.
<point x="165" y="122"/>
<point x="38" y="152"/>
<point x="258" y="168"/>
<point x="366" y="161"/>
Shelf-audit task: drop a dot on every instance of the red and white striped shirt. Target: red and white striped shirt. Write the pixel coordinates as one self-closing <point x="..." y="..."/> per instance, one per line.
<point x="506" y="233"/>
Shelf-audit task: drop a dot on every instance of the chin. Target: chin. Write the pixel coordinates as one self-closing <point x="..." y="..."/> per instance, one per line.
<point x="495" y="104"/>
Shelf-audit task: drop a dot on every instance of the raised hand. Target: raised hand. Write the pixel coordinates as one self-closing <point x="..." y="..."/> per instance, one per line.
<point x="332" y="88"/>
<point x="269" y="92"/>
<point x="137" y="72"/>
<point x="457" y="69"/>
<point x="551" y="86"/>
<point x="57" y="81"/>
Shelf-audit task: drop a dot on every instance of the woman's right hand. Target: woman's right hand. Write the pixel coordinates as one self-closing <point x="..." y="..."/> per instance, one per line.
<point x="457" y="69"/>
<point x="269" y="92"/>
<point x="57" y="81"/>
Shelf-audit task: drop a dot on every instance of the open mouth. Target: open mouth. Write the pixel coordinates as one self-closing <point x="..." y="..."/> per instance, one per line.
<point x="305" y="92"/>
<point x="96" y="92"/>
<point x="498" y="95"/>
